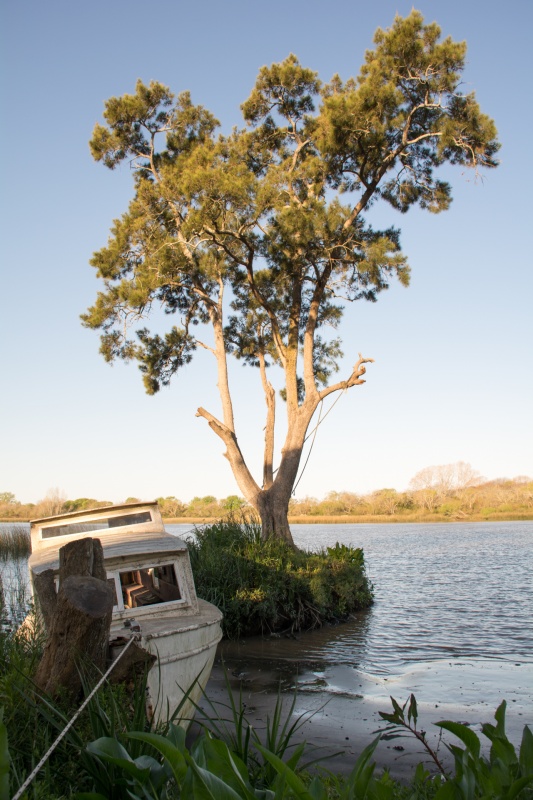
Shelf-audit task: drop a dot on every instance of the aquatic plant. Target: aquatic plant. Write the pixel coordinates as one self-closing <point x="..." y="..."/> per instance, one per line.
<point x="14" y="542"/>
<point x="15" y="598"/>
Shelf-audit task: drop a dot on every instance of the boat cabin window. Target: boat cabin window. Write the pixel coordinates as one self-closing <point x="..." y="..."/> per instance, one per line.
<point x="69" y="529"/>
<point x="148" y="586"/>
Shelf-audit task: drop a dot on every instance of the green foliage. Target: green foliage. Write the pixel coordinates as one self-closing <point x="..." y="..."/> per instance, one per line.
<point x="211" y="768"/>
<point x="260" y="210"/>
<point x="4" y="758"/>
<point x="504" y="775"/>
<point x="113" y="755"/>
<point x="503" y="498"/>
<point x="266" y="586"/>
<point x="244" y="740"/>
<point x="8" y="498"/>
<point x="32" y="722"/>
<point x="82" y="503"/>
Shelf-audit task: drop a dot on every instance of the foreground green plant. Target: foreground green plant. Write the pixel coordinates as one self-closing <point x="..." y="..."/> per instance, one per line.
<point x="124" y="759"/>
<point x="32" y="721"/>
<point x="245" y="741"/>
<point x="211" y="770"/>
<point x="504" y="775"/>
<point x="267" y="586"/>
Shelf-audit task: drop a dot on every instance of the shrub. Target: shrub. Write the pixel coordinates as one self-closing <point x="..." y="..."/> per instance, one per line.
<point x="268" y="586"/>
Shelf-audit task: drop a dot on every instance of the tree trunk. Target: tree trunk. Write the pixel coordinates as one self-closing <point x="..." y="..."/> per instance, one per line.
<point x="79" y="620"/>
<point x="45" y="588"/>
<point x="273" y="508"/>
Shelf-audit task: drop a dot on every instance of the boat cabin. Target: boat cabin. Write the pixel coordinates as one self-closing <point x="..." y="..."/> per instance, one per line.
<point x="146" y="566"/>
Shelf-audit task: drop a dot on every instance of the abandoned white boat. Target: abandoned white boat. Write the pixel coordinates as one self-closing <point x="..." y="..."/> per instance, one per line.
<point x="150" y="574"/>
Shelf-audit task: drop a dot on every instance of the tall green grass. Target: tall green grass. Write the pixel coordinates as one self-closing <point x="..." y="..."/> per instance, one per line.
<point x="264" y="587"/>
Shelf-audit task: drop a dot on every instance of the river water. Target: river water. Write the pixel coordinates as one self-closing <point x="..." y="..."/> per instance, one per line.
<point x="452" y="620"/>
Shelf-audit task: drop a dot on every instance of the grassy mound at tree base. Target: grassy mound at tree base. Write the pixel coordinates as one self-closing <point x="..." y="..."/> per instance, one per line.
<point x="267" y="587"/>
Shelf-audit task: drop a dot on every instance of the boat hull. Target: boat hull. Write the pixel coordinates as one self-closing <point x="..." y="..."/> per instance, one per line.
<point x="185" y="649"/>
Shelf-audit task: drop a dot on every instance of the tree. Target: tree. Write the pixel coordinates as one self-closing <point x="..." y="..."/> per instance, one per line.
<point x="53" y="503"/>
<point x="446" y="479"/>
<point x="81" y="503"/>
<point x="260" y="236"/>
<point x="385" y="501"/>
<point x="8" y="498"/>
<point x="233" y="503"/>
<point x="171" y="506"/>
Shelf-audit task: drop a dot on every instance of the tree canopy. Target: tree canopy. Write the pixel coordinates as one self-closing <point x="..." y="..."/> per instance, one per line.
<point x="260" y="235"/>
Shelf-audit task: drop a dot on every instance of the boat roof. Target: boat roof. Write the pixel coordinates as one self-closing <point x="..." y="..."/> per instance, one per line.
<point x="90" y="513"/>
<point x="130" y="549"/>
<point x="127" y="532"/>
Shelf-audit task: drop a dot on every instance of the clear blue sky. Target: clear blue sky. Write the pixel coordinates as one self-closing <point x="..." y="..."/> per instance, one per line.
<point x="452" y="378"/>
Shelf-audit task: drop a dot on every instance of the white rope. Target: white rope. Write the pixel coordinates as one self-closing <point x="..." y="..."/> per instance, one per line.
<point x="65" y="730"/>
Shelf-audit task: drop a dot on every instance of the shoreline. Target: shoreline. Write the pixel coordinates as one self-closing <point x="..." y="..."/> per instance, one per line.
<point x="370" y="519"/>
<point x="341" y="704"/>
<point x="376" y="519"/>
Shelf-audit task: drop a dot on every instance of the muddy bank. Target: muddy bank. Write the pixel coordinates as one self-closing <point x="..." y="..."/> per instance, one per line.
<point x="342" y="704"/>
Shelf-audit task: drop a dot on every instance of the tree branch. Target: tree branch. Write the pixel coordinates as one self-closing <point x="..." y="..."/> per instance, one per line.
<point x="355" y="378"/>
<point x="246" y="483"/>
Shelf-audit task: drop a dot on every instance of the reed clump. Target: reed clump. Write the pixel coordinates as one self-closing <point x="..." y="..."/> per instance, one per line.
<point x="14" y="542"/>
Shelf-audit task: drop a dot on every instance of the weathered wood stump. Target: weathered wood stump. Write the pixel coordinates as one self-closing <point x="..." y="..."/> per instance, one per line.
<point x="77" y="618"/>
<point x="134" y="663"/>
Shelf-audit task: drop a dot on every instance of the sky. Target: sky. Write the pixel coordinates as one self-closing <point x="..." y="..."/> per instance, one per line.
<point x="452" y="378"/>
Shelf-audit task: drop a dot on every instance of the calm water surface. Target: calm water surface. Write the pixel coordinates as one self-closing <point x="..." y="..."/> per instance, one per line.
<point x="452" y="619"/>
<point x="441" y="591"/>
<point x="453" y="615"/>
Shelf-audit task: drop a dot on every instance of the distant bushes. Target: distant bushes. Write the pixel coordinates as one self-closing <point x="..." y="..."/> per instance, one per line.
<point x="438" y="498"/>
<point x="513" y="498"/>
<point x="266" y="587"/>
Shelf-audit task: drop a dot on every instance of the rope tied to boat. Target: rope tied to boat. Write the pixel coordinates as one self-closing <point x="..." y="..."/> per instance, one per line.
<point x="69" y="725"/>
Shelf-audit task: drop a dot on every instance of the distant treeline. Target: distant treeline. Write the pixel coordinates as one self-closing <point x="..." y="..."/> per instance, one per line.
<point x="433" y="497"/>
<point x="493" y="498"/>
<point x="54" y="503"/>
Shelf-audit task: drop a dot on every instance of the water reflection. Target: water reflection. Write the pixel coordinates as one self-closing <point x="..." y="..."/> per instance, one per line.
<point x="344" y="643"/>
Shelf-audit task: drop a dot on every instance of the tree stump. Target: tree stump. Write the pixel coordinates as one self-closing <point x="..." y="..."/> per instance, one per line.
<point x="77" y="618"/>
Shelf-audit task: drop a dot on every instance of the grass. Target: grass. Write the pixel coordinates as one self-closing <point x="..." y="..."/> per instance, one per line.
<point x="264" y="587"/>
<point x="14" y="593"/>
<point x="351" y="519"/>
<point x="14" y="542"/>
<point x="113" y="754"/>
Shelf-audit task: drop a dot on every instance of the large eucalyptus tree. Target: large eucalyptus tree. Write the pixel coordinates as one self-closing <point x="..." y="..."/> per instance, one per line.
<point x="260" y="234"/>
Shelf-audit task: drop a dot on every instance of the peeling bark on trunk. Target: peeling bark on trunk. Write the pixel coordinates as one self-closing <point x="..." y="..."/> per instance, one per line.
<point x="45" y="589"/>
